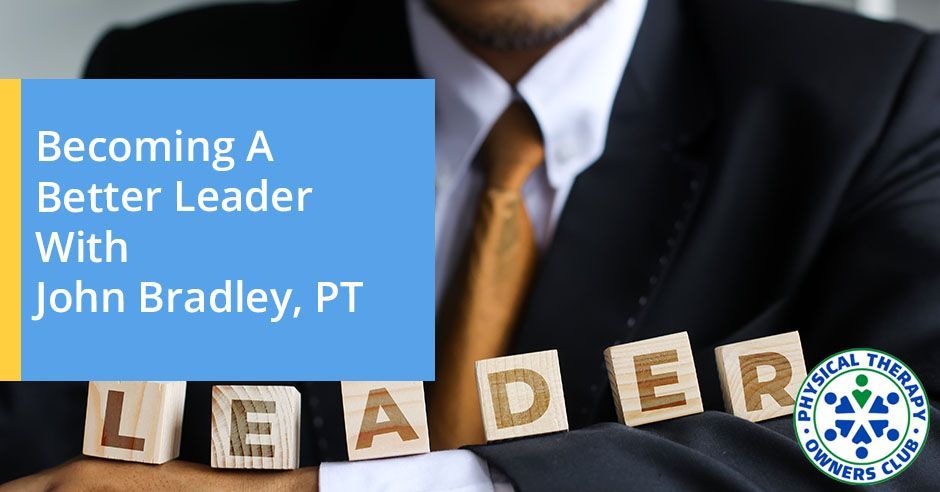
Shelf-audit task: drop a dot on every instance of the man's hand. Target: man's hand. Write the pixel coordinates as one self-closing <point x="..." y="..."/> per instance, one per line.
<point x="96" y="474"/>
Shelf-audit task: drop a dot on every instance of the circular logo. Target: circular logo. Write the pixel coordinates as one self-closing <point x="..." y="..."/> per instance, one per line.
<point x="861" y="416"/>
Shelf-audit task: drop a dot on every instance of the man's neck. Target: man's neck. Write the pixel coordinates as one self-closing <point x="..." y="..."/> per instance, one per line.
<point x="512" y="65"/>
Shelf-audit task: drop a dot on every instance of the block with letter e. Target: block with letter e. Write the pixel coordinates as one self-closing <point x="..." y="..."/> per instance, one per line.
<point x="760" y="377"/>
<point x="134" y="420"/>
<point x="653" y="379"/>
<point x="521" y="395"/>
<point x="385" y="419"/>
<point x="255" y="427"/>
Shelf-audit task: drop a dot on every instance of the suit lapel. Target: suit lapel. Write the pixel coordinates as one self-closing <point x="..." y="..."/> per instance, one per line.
<point x="625" y="216"/>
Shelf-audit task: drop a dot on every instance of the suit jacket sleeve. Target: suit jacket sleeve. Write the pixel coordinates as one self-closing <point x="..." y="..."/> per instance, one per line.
<point x="111" y="56"/>
<point x="875" y="283"/>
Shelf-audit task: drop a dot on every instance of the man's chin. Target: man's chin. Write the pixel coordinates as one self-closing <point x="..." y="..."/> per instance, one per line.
<point x="516" y="24"/>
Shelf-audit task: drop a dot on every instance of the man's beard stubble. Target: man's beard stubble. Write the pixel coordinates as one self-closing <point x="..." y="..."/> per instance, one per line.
<point x="512" y="33"/>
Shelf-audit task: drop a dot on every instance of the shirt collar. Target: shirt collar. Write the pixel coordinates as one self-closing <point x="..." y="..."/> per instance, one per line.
<point x="570" y="90"/>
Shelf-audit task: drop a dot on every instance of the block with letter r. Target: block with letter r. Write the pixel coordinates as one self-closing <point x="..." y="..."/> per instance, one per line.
<point x="760" y="377"/>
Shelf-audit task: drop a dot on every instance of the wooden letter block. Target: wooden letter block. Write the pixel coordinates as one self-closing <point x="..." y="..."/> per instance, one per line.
<point x="134" y="421"/>
<point x="385" y="418"/>
<point x="521" y="395"/>
<point x="255" y="427"/>
<point x="760" y="377"/>
<point x="653" y="379"/>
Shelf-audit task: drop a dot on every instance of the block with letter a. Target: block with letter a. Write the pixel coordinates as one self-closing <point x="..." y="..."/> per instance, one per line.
<point x="255" y="427"/>
<point x="521" y="395"/>
<point x="134" y="421"/>
<point x="653" y="379"/>
<point x="760" y="377"/>
<point x="385" y="419"/>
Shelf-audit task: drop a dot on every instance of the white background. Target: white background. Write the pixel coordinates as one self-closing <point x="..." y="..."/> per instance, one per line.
<point x="52" y="38"/>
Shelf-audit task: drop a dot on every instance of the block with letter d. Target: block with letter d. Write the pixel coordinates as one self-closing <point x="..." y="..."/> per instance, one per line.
<point x="760" y="377"/>
<point x="134" y="421"/>
<point x="385" y="419"/>
<point x="521" y="395"/>
<point x="653" y="379"/>
<point x="255" y="427"/>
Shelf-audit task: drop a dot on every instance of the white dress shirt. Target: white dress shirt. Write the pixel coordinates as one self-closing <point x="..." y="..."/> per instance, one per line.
<point x="570" y="91"/>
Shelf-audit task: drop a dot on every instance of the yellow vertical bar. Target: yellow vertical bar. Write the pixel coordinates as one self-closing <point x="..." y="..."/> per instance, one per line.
<point x="10" y="267"/>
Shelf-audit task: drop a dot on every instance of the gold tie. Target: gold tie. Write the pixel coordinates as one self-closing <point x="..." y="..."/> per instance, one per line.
<point x="486" y="294"/>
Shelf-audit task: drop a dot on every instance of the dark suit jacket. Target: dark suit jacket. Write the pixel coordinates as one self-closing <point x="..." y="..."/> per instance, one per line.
<point x="769" y="167"/>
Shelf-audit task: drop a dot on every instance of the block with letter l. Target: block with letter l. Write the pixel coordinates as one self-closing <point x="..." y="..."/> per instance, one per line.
<point x="255" y="427"/>
<point x="760" y="377"/>
<point x="134" y="420"/>
<point x="521" y="395"/>
<point x="653" y="379"/>
<point x="385" y="419"/>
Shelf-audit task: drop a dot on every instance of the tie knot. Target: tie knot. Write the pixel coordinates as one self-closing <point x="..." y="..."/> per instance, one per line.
<point x="513" y="148"/>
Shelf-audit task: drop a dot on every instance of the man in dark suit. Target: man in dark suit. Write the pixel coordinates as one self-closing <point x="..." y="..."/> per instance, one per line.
<point x="754" y="168"/>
